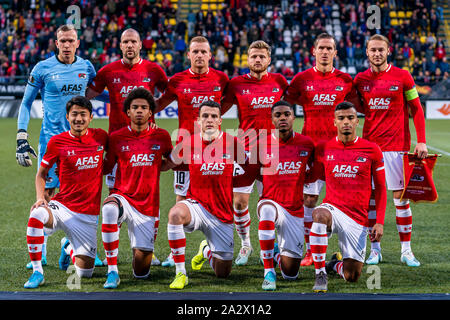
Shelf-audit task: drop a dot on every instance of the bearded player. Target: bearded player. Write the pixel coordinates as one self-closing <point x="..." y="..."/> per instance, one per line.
<point x="319" y="90"/>
<point x="388" y="95"/>
<point x="120" y="78"/>
<point x="78" y="154"/>
<point x="254" y="94"/>
<point x="349" y="164"/>
<point x="138" y="151"/>
<point x="190" y="88"/>
<point x="210" y="156"/>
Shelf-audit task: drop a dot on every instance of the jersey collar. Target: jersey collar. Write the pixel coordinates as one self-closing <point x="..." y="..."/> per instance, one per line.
<point x="381" y="72"/>
<point x="130" y="65"/>
<point x="250" y="77"/>
<point x="348" y="143"/>
<point x="74" y="60"/>
<point x="324" y="73"/>
<point x="81" y="137"/>
<point x="198" y="74"/>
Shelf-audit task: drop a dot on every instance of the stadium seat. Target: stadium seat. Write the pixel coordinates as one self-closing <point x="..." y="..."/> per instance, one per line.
<point x="287" y="51"/>
<point x="408" y="14"/>
<point x="335" y="14"/>
<point x="394" y="22"/>
<point x="172" y="21"/>
<point x="393" y="14"/>
<point x="336" y="22"/>
<point x="401" y="15"/>
<point x="279" y="52"/>
<point x="204" y="7"/>
<point x="343" y="69"/>
<point x="328" y="28"/>
<point x="287" y="33"/>
<point x="289" y="64"/>
<point x="213" y="6"/>
<point x="279" y="63"/>
<point x="244" y="58"/>
<point x="351" y="70"/>
<point x="269" y="14"/>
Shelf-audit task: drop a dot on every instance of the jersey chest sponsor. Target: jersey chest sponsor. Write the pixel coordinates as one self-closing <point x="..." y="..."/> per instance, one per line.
<point x="379" y="103"/>
<point x="142" y="159"/>
<point x="289" y="167"/>
<point x="87" y="162"/>
<point x="125" y="90"/>
<point x="212" y="168"/>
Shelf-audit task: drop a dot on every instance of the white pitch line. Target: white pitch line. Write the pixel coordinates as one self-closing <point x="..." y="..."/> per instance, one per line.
<point x="436" y="149"/>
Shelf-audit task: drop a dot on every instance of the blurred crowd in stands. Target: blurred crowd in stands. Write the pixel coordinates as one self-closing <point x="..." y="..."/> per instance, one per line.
<point x="27" y="33"/>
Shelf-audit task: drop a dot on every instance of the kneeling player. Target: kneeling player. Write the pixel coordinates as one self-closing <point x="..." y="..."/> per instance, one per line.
<point x="78" y="154"/>
<point x="208" y="207"/>
<point x="349" y="164"/>
<point x="281" y="205"/>
<point x="138" y="151"/>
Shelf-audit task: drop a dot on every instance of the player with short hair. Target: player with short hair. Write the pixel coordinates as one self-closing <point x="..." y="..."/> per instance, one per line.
<point x="210" y="156"/>
<point x="58" y="79"/>
<point x="254" y="94"/>
<point x="388" y="94"/>
<point x="349" y="164"/>
<point x="283" y="169"/>
<point x="120" y="78"/>
<point x="138" y="151"/>
<point x="75" y="208"/>
<point x="319" y="90"/>
<point x="190" y="88"/>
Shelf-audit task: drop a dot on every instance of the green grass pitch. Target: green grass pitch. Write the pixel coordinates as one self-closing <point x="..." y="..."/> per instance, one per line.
<point x="430" y="237"/>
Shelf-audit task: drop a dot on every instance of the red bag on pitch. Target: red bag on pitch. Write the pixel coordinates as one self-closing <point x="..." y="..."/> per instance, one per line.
<point x="418" y="174"/>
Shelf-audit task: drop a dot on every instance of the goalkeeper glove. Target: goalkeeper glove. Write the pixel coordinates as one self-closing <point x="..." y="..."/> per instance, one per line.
<point x="23" y="149"/>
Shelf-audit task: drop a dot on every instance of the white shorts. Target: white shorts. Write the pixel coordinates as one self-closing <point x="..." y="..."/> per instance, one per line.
<point x="181" y="182"/>
<point x="80" y="229"/>
<point x="290" y="231"/>
<point x="249" y="189"/>
<point x="393" y="167"/>
<point x="220" y="235"/>
<point x="141" y="228"/>
<point x="351" y="235"/>
<point x="110" y="178"/>
<point x="313" y="188"/>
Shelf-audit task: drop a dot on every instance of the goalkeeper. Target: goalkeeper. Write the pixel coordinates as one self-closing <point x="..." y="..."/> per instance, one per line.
<point x="58" y="78"/>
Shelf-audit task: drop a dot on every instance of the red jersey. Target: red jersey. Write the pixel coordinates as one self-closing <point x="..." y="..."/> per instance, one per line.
<point x="349" y="169"/>
<point x="211" y="167"/>
<point x="80" y="169"/>
<point x="318" y="93"/>
<point x="283" y="171"/>
<point x="384" y="98"/>
<point x="121" y="78"/>
<point x="138" y="157"/>
<point x="254" y="99"/>
<point x="190" y="89"/>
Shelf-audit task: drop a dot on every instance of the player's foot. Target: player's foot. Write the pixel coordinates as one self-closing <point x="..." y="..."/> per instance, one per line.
<point x="64" y="258"/>
<point x="408" y="258"/>
<point x="168" y="262"/>
<point x="181" y="280"/>
<point x="43" y="262"/>
<point x="335" y="258"/>
<point x="198" y="260"/>
<point x="243" y="256"/>
<point x="155" y="260"/>
<point x="269" y="283"/>
<point x="307" y="260"/>
<point x="321" y="283"/>
<point x="98" y="262"/>
<point x="112" y="280"/>
<point x="374" y="257"/>
<point x="34" y="281"/>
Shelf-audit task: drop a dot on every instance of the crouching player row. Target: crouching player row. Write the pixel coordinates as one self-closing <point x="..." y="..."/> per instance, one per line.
<point x="139" y="152"/>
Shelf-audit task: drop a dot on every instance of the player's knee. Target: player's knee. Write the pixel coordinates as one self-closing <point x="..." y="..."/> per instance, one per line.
<point x="310" y="201"/>
<point x="41" y="214"/>
<point x="352" y="275"/>
<point x="177" y="215"/>
<point x="321" y="215"/>
<point x="110" y="212"/>
<point x="240" y="203"/>
<point x="267" y="211"/>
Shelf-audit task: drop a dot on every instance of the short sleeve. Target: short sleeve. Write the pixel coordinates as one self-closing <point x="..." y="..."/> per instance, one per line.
<point x="51" y="154"/>
<point x="98" y="84"/>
